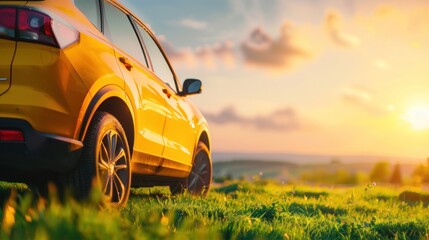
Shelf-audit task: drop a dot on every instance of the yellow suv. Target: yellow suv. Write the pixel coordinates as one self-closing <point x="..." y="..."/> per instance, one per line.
<point x="86" y="92"/>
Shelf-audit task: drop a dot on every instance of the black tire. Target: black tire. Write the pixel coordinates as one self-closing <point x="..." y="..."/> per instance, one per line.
<point x="105" y="159"/>
<point x="199" y="180"/>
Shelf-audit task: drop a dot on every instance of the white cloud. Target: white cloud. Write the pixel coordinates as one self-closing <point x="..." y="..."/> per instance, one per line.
<point x="333" y="24"/>
<point x="180" y="57"/>
<point x="193" y="24"/>
<point x="381" y="64"/>
<point x="209" y="56"/>
<point x="260" y="49"/>
<point x="279" y="120"/>
<point x="353" y="94"/>
<point x="362" y="99"/>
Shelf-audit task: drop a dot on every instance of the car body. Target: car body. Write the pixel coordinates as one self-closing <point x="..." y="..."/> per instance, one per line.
<point x="86" y="91"/>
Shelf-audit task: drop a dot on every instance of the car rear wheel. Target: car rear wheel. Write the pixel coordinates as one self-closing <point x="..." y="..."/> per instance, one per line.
<point x="199" y="180"/>
<point x="105" y="159"/>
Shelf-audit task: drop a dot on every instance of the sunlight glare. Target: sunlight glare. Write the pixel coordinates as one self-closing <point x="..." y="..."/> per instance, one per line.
<point x="417" y="117"/>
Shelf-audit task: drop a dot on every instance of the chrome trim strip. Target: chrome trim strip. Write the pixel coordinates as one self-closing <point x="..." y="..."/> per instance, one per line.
<point x="3" y="79"/>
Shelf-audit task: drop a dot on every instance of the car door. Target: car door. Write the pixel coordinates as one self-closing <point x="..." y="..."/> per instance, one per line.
<point x="179" y="131"/>
<point x="142" y="86"/>
<point x="179" y="134"/>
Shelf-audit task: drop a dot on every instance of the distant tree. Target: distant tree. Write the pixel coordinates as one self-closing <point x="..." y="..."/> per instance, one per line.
<point x="340" y="176"/>
<point x="361" y="177"/>
<point x="223" y="179"/>
<point x="396" y="175"/>
<point x="380" y="172"/>
<point x="421" y="174"/>
<point x="418" y="174"/>
<point x="335" y="161"/>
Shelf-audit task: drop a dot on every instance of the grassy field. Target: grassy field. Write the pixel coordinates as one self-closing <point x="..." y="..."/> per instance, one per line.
<point x="236" y="210"/>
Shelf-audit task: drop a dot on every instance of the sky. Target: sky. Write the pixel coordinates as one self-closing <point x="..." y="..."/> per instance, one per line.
<point x="329" y="77"/>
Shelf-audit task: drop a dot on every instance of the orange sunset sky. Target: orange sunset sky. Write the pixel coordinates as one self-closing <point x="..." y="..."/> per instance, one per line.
<point x="306" y="76"/>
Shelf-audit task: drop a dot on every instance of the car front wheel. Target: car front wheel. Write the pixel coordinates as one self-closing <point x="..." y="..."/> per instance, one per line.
<point x="199" y="180"/>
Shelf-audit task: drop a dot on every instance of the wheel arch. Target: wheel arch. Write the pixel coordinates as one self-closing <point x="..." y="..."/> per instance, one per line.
<point x="110" y="99"/>
<point x="115" y="106"/>
<point x="204" y="137"/>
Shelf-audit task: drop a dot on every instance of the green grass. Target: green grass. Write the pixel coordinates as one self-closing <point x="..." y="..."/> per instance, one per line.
<point x="238" y="210"/>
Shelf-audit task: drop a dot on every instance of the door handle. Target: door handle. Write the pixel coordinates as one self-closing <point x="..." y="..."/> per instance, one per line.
<point x="126" y="63"/>
<point x="166" y="92"/>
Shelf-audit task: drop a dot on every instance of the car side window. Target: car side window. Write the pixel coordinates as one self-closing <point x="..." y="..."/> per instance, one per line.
<point x="119" y="30"/>
<point x="159" y="63"/>
<point x="91" y="9"/>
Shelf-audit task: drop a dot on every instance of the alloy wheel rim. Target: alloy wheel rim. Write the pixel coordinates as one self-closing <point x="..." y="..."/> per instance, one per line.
<point x="199" y="178"/>
<point x="113" y="167"/>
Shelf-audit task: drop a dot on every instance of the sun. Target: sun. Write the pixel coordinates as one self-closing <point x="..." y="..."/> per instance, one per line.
<point x="417" y="117"/>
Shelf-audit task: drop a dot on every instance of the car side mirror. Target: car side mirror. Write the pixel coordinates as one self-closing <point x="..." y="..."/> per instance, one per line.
<point x="191" y="86"/>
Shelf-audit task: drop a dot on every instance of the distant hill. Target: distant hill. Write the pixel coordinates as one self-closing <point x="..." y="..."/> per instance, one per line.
<point x="248" y="168"/>
<point x="286" y="171"/>
<point x="308" y="158"/>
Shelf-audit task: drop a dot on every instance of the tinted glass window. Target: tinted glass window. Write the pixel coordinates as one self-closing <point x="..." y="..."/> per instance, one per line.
<point x="91" y="9"/>
<point x="160" y="65"/>
<point x="118" y="28"/>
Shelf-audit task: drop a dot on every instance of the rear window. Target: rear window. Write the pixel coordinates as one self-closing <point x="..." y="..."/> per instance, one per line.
<point x="91" y="9"/>
<point x="119" y="30"/>
<point x="160" y="64"/>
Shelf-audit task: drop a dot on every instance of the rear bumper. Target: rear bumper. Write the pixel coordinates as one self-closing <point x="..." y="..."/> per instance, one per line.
<point x="39" y="151"/>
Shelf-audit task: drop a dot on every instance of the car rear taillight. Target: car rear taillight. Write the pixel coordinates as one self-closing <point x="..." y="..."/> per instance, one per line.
<point x="11" y="136"/>
<point x="32" y="26"/>
<point x="35" y="26"/>
<point x="7" y="22"/>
